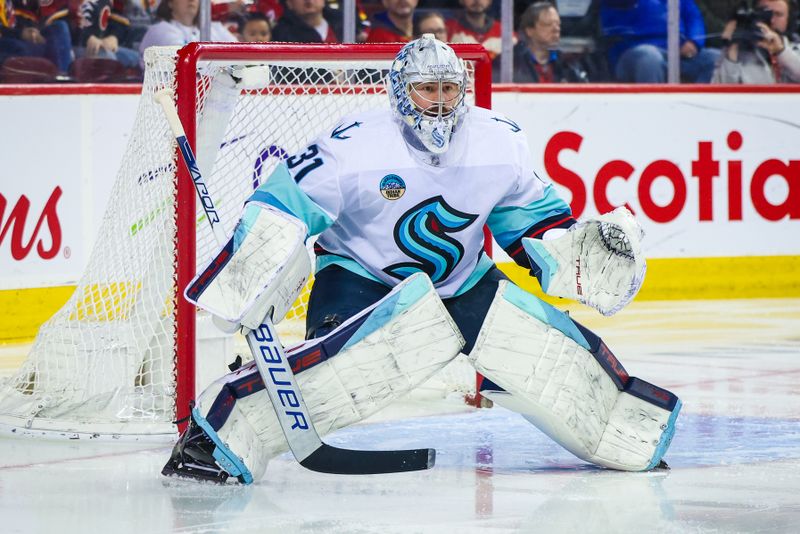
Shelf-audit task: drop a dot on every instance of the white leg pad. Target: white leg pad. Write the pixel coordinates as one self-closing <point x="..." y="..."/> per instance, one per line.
<point x="549" y="374"/>
<point x="386" y="351"/>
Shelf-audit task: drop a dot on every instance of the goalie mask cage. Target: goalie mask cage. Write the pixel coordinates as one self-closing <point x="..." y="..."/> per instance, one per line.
<point x="118" y="359"/>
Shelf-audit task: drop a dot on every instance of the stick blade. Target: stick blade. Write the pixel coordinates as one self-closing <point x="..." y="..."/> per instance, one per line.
<point x="328" y="459"/>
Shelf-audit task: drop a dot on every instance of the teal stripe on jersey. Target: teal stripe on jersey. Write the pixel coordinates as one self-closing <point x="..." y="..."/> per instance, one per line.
<point x="281" y="191"/>
<point x="484" y="264"/>
<point x="508" y="223"/>
<point x="346" y="263"/>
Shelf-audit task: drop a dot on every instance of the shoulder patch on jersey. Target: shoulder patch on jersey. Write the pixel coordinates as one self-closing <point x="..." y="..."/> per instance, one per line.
<point x="338" y="132"/>
<point x="513" y="125"/>
<point x="392" y="187"/>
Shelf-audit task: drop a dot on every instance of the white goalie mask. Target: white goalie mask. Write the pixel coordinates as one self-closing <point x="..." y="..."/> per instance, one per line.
<point x="434" y="116"/>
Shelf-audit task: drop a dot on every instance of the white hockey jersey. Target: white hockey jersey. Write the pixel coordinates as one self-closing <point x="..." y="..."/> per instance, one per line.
<point x="385" y="212"/>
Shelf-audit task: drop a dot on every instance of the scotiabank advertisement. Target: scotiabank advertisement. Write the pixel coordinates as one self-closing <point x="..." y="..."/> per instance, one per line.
<point x="707" y="174"/>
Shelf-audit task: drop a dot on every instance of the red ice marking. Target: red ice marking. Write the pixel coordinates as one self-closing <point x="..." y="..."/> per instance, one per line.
<point x="93" y="457"/>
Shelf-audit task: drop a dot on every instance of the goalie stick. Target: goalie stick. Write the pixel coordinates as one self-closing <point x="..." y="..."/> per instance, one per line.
<point x="287" y="401"/>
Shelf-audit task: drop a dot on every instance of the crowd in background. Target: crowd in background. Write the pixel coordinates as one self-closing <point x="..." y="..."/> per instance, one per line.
<point x="575" y="41"/>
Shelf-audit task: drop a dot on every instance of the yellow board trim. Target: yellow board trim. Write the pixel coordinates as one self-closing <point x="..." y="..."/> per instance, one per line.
<point x="701" y="278"/>
<point x="22" y="311"/>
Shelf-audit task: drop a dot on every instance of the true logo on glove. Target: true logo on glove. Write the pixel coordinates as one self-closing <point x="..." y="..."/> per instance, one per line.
<point x="204" y="280"/>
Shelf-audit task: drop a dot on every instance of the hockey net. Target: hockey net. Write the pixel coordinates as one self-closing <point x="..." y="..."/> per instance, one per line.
<point x="123" y="357"/>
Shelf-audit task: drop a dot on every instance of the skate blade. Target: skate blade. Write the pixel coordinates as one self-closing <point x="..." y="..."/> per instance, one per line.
<point x="194" y="476"/>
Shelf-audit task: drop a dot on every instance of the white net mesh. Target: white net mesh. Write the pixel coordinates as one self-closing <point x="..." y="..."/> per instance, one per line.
<point x="105" y="363"/>
<point x="106" y="357"/>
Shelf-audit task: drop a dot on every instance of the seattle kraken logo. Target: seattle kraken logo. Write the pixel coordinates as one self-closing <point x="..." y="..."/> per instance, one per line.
<point x="422" y="233"/>
<point x="438" y="137"/>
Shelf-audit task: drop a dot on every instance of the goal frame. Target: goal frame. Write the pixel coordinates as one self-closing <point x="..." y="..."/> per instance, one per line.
<point x="186" y="96"/>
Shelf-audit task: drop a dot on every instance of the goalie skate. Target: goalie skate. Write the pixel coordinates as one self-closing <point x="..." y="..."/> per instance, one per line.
<point x="198" y="455"/>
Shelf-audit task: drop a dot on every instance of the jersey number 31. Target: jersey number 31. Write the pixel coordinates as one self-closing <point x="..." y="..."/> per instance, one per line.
<point x="300" y="159"/>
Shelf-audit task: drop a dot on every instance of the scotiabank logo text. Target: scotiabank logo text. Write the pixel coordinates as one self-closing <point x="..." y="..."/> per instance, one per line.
<point x="705" y="169"/>
<point x="13" y="224"/>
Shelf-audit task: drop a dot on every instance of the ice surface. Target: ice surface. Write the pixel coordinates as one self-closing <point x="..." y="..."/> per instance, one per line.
<point x="735" y="458"/>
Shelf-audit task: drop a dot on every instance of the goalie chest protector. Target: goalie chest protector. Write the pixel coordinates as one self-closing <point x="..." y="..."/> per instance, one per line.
<point x="393" y="213"/>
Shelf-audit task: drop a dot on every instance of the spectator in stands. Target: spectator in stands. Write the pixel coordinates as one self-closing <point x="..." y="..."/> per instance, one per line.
<point x="716" y="14"/>
<point x="233" y="13"/>
<point x="308" y="21"/>
<point x="580" y="28"/>
<point x="431" y="22"/>
<point x="37" y="29"/>
<point x="442" y="5"/>
<point x="233" y="22"/>
<point x="10" y="44"/>
<point x="141" y="14"/>
<point x="760" y="53"/>
<point x="255" y="29"/>
<point x="102" y="32"/>
<point x="7" y="20"/>
<point x="178" y="26"/>
<point x="395" y="24"/>
<point x="536" y="57"/>
<point x="638" y="52"/>
<point x="472" y="24"/>
<point x="273" y="9"/>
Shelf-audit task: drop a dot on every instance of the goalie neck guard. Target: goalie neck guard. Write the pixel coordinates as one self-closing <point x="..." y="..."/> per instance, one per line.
<point x="428" y="60"/>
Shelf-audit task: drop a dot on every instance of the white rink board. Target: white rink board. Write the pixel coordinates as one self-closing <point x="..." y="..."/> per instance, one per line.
<point x="80" y="149"/>
<point x="69" y="153"/>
